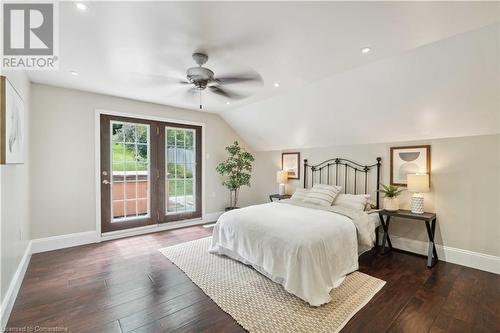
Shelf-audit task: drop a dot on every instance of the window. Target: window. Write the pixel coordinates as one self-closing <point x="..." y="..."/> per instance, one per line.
<point x="130" y="167"/>
<point x="181" y="162"/>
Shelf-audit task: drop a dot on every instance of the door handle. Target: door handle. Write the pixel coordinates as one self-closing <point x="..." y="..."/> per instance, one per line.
<point x="106" y="182"/>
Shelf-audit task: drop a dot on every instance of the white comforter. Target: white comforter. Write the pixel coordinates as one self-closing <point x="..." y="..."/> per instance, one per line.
<point x="307" y="249"/>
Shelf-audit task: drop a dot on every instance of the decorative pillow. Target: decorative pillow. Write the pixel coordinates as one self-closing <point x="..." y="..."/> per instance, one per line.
<point x="370" y="205"/>
<point x="352" y="201"/>
<point x="322" y="194"/>
<point x="300" y="194"/>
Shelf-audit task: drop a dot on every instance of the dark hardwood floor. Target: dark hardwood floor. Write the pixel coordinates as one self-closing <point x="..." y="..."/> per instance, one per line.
<point x="126" y="285"/>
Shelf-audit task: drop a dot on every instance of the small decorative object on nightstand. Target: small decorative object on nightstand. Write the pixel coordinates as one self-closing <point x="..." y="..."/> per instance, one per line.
<point x="281" y="179"/>
<point x="430" y="224"/>
<point x="391" y="193"/>
<point x="417" y="183"/>
<point x="279" y="196"/>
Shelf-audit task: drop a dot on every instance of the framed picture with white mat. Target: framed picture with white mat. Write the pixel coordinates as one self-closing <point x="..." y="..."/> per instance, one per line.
<point x="12" y="124"/>
<point x="409" y="160"/>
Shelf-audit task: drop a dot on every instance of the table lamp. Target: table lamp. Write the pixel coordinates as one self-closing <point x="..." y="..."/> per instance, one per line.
<point x="281" y="179"/>
<point x="417" y="183"/>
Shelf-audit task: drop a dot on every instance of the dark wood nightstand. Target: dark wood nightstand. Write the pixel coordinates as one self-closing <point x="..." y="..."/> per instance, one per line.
<point x="430" y="224"/>
<point x="279" y="196"/>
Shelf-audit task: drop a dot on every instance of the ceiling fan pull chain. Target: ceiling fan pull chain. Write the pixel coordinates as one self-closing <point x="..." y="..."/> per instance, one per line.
<point x="200" y="100"/>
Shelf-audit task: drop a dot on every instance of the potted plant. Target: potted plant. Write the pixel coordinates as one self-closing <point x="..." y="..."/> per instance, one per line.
<point x="236" y="170"/>
<point x="391" y="193"/>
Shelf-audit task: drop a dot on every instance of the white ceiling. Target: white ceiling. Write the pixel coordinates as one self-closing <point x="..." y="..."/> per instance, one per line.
<point x="446" y="89"/>
<point x="114" y="45"/>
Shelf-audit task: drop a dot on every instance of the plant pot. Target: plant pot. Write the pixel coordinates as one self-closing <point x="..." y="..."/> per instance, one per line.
<point x="227" y="209"/>
<point x="391" y="204"/>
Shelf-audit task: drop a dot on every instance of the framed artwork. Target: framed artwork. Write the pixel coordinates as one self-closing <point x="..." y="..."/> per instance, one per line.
<point x="290" y="162"/>
<point x="405" y="160"/>
<point x="12" y="130"/>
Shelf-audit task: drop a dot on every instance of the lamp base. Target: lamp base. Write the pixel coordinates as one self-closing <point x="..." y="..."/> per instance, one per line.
<point x="417" y="204"/>
<point x="281" y="189"/>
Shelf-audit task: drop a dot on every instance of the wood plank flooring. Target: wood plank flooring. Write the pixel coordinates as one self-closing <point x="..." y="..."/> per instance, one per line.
<point x="126" y="285"/>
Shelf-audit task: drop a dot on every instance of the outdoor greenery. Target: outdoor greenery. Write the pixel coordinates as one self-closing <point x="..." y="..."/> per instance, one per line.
<point x="179" y="170"/>
<point x="176" y="187"/>
<point x="390" y="191"/>
<point x="125" y="159"/>
<point x="130" y="153"/>
<point x="180" y="138"/>
<point x="236" y="170"/>
<point x="130" y="149"/>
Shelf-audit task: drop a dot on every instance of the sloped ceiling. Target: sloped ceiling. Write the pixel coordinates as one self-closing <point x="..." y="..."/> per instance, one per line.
<point x="448" y="88"/>
<point x="432" y="71"/>
<point x="126" y="48"/>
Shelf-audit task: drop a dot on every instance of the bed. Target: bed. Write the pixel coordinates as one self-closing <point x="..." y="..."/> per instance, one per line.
<point x="308" y="249"/>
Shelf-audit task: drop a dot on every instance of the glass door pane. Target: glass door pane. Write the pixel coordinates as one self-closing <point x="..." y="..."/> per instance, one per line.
<point x="181" y="171"/>
<point x="150" y="172"/>
<point x="130" y="179"/>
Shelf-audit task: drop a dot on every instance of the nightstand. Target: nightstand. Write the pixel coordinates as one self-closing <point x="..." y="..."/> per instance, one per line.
<point x="430" y="224"/>
<point x="279" y="196"/>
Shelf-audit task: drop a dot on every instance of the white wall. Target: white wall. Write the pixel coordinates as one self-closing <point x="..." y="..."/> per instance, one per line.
<point x="62" y="155"/>
<point x="14" y="193"/>
<point x="465" y="173"/>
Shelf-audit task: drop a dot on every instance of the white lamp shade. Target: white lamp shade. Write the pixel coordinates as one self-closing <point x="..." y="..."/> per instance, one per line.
<point x="418" y="183"/>
<point x="281" y="177"/>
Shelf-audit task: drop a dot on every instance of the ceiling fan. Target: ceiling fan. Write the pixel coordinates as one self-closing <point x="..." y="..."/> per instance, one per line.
<point x="203" y="78"/>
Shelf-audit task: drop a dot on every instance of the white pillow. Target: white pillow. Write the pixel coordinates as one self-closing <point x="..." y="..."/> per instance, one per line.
<point x="322" y="194"/>
<point x="370" y="205"/>
<point x="352" y="201"/>
<point x="300" y="194"/>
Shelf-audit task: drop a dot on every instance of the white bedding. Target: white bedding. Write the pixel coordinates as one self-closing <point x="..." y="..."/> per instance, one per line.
<point x="374" y="218"/>
<point x="307" y="249"/>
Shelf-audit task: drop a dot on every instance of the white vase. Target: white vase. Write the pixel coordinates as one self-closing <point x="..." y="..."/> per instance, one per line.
<point x="391" y="204"/>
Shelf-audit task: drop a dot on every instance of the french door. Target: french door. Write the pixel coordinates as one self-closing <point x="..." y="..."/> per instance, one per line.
<point x="150" y="172"/>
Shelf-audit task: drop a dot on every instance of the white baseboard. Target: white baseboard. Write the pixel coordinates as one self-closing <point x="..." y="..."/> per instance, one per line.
<point x="484" y="262"/>
<point x="467" y="258"/>
<point x="63" y="241"/>
<point x="212" y="217"/>
<point x="76" y="239"/>
<point x="208" y="218"/>
<point x="14" y="286"/>
<point x="88" y="237"/>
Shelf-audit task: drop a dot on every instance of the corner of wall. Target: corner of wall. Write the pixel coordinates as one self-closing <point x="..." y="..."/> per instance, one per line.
<point x="15" y="223"/>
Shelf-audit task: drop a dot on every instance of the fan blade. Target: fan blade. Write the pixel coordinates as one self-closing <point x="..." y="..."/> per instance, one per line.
<point x="226" y="93"/>
<point x="245" y="77"/>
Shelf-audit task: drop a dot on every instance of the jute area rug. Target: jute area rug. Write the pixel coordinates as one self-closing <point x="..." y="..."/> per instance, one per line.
<point x="260" y="305"/>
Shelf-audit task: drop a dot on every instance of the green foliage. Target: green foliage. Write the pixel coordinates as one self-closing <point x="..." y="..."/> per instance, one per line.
<point x="390" y="191"/>
<point x="176" y="187"/>
<point x="180" y="138"/>
<point x="179" y="171"/>
<point x="236" y="170"/>
<point x="130" y="146"/>
<point x="126" y="159"/>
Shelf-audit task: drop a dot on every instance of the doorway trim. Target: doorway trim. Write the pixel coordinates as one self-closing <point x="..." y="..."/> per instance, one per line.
<point x="97" y="166"/>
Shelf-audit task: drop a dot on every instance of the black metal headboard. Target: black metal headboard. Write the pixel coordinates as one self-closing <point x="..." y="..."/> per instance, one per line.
<point x="334" y="170"/>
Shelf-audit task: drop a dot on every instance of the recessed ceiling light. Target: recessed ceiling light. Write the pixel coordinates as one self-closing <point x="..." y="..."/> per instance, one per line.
<point x="81" y="6"/>
<point x="365" y="50"/>
<point x="74" y="73"/>
<point x="227" y="103"/>
<point x="276" y="84"/>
